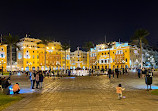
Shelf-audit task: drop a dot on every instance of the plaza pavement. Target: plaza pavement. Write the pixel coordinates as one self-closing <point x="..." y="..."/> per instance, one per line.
<point x="95" y="93"/>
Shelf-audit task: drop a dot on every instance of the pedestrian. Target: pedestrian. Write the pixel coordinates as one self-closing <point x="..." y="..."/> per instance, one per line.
<point x="69" y="72"/>
<point x="117" y="72"/>
<point x="5" y="85"/>
<point x="119" y="90"/>
<point x="58" y="73"/>
<point x="123" y="71"/>
<point x="89" y="72"/>
<point x="143" y="73"/>
<point x="139" y="71"/>
<point x="109" y="73"/>
<point x="40" y="79"/>
<point x="16" y="88"/>
<point x="53" y="74"/>
<point x="37" y="79"/>
<point x="32" y="79"/>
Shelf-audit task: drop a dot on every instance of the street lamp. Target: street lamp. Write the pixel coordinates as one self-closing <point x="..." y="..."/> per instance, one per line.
<point x="2" y="62"/>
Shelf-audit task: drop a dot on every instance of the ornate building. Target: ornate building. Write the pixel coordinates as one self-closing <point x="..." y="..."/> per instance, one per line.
<point x="3" y="57"/>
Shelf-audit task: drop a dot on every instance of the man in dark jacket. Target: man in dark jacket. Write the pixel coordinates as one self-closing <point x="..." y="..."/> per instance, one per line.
<point x="5" y="85"/>
<point x="109" y="73"/>
<point x="40" y="79"/>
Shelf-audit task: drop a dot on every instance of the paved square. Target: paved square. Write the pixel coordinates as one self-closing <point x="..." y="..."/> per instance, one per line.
<point x="95" y="93"/>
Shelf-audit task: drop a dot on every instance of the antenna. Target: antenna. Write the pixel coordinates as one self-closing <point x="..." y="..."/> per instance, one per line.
<point x="105" y="39"/>
<point x="119" y="40"/>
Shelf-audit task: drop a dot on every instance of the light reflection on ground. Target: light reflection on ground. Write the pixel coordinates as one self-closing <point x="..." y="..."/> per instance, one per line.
<point x="69" y="77"/>
<point x="22" y="90"/>
<point x="145" y="87"/>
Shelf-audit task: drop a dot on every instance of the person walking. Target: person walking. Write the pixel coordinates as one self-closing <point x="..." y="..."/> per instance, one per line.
<point x="139" y="71"/>
<point x="37" y="80"/>
<point x="40" y="79"/>
<point x="123" y="71"/>
<point x="32" y="78"/>
<point x="117" y="72"/>
<point x="143" y="73"/>
<point x="109" y="73"/>
<point x="119" y="90"/>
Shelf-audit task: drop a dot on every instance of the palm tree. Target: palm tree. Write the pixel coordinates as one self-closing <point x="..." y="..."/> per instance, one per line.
<point x="88" y="46"/>
<point x="140" y="36"/>
<point x="65" y="47"/>
<point x="45" y="43"/>
<point x="12" y="42"/>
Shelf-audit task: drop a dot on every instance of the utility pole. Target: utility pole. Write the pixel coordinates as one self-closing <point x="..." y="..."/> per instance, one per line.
<point x="105" y="39"/>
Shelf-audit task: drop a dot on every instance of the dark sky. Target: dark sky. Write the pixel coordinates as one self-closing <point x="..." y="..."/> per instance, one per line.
<point x="79" y="21"/>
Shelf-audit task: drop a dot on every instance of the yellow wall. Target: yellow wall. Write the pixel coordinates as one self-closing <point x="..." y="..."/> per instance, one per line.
<point x="102" y="55"/>
<point x="3" y="57"/>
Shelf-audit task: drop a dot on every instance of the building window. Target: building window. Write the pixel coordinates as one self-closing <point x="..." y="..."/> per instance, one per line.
<point x="101" y="61"/>
<point x="126" y="59"/>
<point x="33" y="51"/>
<point x="37" y="56"/>
<point x="105" y="61"/>
<point x="2" y="49"/>
<point x="27" y="51"/>
<point x="102" y="53"/>
<point x="33" y="56"/>
<point x="1" y="55"/>
<point x="105" y="53"/>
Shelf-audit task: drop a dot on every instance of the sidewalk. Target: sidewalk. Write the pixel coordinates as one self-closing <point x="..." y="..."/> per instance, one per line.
<point x="95" y="93"/>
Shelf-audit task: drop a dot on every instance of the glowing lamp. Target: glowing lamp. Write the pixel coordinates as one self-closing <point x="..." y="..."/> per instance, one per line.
<point x="103" y="46"/>
<point x="52" y="47"/>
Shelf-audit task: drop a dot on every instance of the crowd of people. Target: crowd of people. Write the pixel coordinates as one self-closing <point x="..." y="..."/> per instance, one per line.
<point x="36" y="77"/>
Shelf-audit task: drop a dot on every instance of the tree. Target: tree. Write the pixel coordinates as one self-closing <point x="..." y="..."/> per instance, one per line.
<point x="65" y="47"/>
<point x="88" y="46"/>
<point x="45" y="43"/>
<point x="12" y="42"/>
<point x="140" y="36"/>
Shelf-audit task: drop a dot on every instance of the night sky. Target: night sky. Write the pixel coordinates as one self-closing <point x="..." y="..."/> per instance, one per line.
<point x="79" y="21"/>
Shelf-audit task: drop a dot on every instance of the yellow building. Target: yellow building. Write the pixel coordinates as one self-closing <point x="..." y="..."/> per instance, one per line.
<point x="78" y="59"/>
<point x="120" y="55"/>
<point x="28" y="55"/>
<point x="3" y="57"/>
<point x="31" y="56"/>
<point x="55" y="56"/>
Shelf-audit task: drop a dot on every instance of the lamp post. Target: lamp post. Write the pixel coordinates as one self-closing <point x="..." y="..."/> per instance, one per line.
<point x="1" y="62"/>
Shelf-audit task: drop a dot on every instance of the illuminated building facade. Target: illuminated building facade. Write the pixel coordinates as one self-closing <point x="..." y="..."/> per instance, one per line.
<point x="3" y="57"/>
<point x="31" y="56"/>
<point x="28" y="55"/>
<point x="78" y="59"/>
<point x="120" y="55"/>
